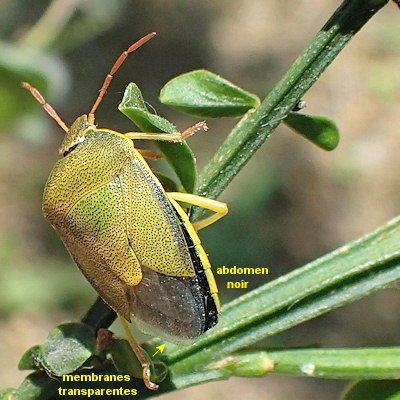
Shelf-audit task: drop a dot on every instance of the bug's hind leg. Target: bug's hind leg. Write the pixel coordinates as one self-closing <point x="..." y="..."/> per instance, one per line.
<point x="220" y="209"/>
<point x="139" y="354"/>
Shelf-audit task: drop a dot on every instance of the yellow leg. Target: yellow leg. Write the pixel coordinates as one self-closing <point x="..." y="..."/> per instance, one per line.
<point x="170" y="137"/>
<point x="220" y="209"/>
<point x="139" y="354"/>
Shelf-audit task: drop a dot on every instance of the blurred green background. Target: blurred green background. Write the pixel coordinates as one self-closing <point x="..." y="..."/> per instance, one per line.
<point x="292" y="203"/>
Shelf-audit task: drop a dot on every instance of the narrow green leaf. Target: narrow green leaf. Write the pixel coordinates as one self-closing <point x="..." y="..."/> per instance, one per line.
<point x="373" y="390"/>
<point x="320" y="130"/>
<point x="67" y="347"/>
<point x="207" y="95"/>
<point x="372" y="363"/>
<point x="179" y="155"/>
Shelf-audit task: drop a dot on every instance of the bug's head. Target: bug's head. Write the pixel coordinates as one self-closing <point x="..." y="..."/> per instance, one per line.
<point x="85" y="123"/>
<point x="76" y="134"/>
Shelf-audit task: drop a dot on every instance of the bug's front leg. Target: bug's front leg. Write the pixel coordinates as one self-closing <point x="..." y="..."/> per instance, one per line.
<point x="170" y="137"/>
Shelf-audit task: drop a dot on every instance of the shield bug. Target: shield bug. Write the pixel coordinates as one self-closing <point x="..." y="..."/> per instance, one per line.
<point x="130" y="238"/>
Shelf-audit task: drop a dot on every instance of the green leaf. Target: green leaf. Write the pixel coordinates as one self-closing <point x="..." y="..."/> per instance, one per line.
<point x="373" y="390"/>
<point x="32" y="358"/>
<point x="204" y="94"/>
<point x="373" y="363"/>
<point x="183" y="162"/>
<point x="67" y="347"/>
<point x="134" y="107"/>
<point x="179" y="155"/>
<point x="168" y="184"/>
<point x="320" y="130"/>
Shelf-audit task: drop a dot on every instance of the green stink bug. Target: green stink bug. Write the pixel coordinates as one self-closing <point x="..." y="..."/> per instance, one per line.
<point x="131" y="239"/>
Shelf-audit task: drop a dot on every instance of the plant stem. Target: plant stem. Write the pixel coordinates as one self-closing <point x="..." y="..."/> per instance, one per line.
<point x="100" y="315"/>
<point x="360" y="363"/>
<point x="251" y="132"/>
<point x="341" y="277"/>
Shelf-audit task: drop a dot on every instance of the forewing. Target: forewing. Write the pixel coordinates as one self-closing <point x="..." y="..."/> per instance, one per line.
<point x="95" y="234"/>
<point x="153" y="229"/>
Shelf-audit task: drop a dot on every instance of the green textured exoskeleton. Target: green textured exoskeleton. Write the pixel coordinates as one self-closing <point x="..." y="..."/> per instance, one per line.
<point x="132" y="243"/>
<point x="130" y="238"/>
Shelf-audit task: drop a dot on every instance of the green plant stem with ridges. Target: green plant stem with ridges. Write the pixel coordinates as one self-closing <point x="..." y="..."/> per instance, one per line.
<point x="334" y="363"/>
<point x="343" y="276"/>
<point x="252" y="131"/>
<point x="365" y="363"/>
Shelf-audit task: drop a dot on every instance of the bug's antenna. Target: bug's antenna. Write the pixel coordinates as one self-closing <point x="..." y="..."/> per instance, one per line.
<point x="114" y="69"/>
<point x="48" y="108"/>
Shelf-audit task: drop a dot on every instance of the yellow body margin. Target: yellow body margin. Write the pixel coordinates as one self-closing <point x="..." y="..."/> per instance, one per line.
<point x="200" y="251"/>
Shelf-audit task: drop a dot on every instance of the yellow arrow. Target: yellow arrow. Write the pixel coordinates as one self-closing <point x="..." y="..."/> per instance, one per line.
<point x="160" y="349"/>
